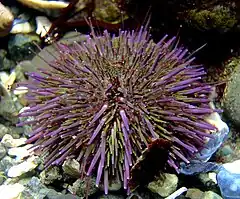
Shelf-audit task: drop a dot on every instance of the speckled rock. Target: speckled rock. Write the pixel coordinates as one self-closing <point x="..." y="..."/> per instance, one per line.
<point x="194" y="193"/>
<point x="164" y="187"/>
<point x="79" y="187"/>
<point x="3" y="151"/>
<point x="50" y="175"/>
<point x="35" y="189"/>
<point x="6" y="163"/>
<point x="211" y="195"/>
<point x="111" y="196"/>
<point x="7" y="130"/>
<point x="10" y="142"/>
<point x="5" y="63"/>
<point x="71" y="167"/>
<point x="19" y="45"/>
<point x="218" y="17"/>
<point x="8" y="109"/>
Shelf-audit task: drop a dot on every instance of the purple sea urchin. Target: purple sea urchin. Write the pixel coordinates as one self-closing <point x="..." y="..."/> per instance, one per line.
<point x="104" y="100"/>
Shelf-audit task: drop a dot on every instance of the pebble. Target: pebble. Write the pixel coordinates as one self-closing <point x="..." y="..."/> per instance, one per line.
<point x="24" y="28"/>
<point x="164" y="187"/>
<point x="22" y="168"/>
<point x="3" y="151"/>
<point x="10" y="142"/>
<point x="50" y="175"/>
<point x="20" y="152"/>
<point x="11" y="191"/>
<point x="43" y="25"/>
<point x="41" y="4"/>
<point x="71" y="167"/>
<point x="6" y="20"/>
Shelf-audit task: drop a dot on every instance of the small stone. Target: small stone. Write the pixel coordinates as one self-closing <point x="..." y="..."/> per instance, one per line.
<point x="23" y="28"/>
<point x="5" y="63"/>
<point x="41" y="4"/>
<point x="10" y="142"/>
<point x="6" y="130"/>
<point x="8" y="109"/>
<point x="164" y="187"/>
<point x="79" y="187"/>
<point x="22" y="168"/>
<point x="6" y="163"/>
<point x="20" y="44"/>
<point x="43" y="25"/>
<point x="50" y="175"/>
<point x="111" y="196"/>
<point x="71" y="167"/>
<point x="6" y="20"/>
<point x="20" y="152"/>
<point x="226" y="150"/>
<point x="3" y="151"/>
<point x="194" y="193"/>
<point x="52" y="194"/>
<point x="11" y="191"/>
<point x="211" y="195"/>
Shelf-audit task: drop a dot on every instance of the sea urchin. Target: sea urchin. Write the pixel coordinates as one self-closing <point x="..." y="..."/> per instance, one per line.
<point x="104" y="100"/>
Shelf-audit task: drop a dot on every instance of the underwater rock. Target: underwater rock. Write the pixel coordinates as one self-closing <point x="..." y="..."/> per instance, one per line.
<point x="177" y="193"/>
<point x="50" y="175"/>
<point x="19" y="46"/>
<point x="71" y="167"/>
<point x="11" y="191"/>
<point x="218" y="18"/>
<point x="3" y="151"/>
<point x="231" y="101"/>
<point x="229" y="180"/>
<point x="79" y="187"/>
<point x="10" y="142"/>
<point x="25" y="27"/>
<point x="22" y="168"/>
<point x="43" y="25"/>
<point x="5" y="63"/>
<point x="194" y="193"/>
<point x="20" y="152"/>
<point x="41" y="4"/>
<point x="6" y="20"/>
<point x="164" y="187"/>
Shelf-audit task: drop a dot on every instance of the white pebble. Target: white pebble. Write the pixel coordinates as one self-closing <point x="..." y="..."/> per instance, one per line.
<point x="43" y="25"/>
<point x="10" y="142"/>
<point x="11" y="191"/>
<point x="233" y="167"/>
<point x="22" y="168"/>
<point x="20" y="152"/>
<point x="25" y="27"/>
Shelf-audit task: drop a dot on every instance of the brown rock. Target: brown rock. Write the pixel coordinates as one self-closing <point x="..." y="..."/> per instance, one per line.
<point x="6" y="20"/>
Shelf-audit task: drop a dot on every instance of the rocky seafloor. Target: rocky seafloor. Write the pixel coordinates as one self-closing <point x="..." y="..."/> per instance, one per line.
<point x="24" y="23"/>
